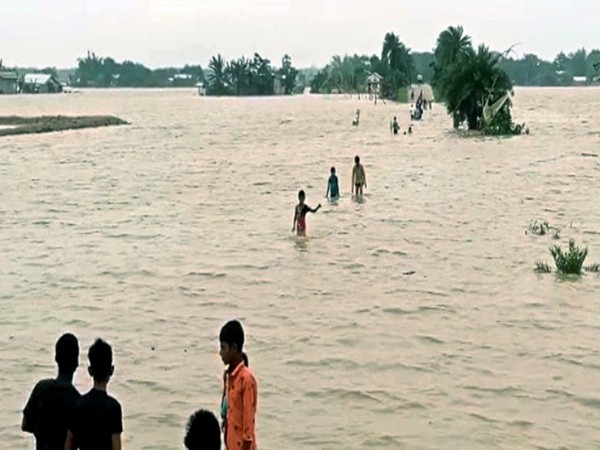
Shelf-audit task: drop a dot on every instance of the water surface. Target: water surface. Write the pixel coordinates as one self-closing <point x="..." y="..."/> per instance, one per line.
<point x="410" y="320"/>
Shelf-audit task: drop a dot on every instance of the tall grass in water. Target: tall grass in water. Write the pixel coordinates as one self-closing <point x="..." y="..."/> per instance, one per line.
<point x="570" y="261"/>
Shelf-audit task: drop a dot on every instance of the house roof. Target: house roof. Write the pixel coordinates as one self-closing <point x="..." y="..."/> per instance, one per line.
<point x="374" y="77"/>
<point x="37" y="78"/>
<point x="8" y="76"/>
<point x="580" y="79"/>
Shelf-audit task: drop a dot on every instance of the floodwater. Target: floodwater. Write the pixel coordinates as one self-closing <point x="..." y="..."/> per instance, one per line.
<point x="409" y="320"/>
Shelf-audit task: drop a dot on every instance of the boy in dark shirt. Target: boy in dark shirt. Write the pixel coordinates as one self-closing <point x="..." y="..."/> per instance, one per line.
<point x="49" y="408"/>
<point x="203" y="432"/>
<point x="97" y="421"/>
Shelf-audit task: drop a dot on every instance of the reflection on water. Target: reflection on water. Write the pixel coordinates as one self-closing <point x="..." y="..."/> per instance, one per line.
<point x="412" y="319"/>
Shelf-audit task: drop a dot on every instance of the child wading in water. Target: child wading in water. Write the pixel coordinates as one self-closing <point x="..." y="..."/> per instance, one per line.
<point x="300" y="214"/>
<point x="333" y="188"/>
<point x="359" y="178"/>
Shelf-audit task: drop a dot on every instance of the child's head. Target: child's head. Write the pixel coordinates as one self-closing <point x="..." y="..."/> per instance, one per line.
<point x="67" y="354"/>
<point x="100" y="356"/>
<point x="394" y="118"/>
<point x="232" y="341"/>
<point x="301" y="196"/>
<point x="203" y="432"/>
<point x="356" y="160"/>
<point x="333" y="171"/>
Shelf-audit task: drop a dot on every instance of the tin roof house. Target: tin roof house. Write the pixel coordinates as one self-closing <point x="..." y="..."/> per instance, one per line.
<point x="41" y="83"/>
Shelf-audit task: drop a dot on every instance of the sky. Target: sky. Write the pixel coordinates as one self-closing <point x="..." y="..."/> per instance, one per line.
<point x="160" y="33"/>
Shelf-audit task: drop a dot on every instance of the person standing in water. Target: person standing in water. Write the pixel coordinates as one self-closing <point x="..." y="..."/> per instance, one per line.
<point x="395" y="127"/>
<point x="241" y="390"/>
<point x="300" y="214"/>
<point x="359" y="177"/>
<point x="333" y="189"/>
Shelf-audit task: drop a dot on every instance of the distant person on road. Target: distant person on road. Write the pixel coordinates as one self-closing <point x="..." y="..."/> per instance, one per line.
<point x="359" y="177"/>
<point x="395" y="127"/>
<point x="50" y="406"/>
<point x="242" y="390"/>
<point x="202" y="432"/>
<point x="97" y="421"/>
<point x="300" y="214"/>
<point x="333" y="188"/>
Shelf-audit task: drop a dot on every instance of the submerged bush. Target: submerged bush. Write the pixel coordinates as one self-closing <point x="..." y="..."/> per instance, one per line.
<point x="571" y="261"/>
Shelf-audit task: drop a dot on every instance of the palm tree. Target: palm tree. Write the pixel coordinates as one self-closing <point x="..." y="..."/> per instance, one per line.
<point x="217" y="79"/>
<point x="452" y="44"/>
<point x="398" y="66"/>
<point x="237" y="72"/>
<point x="476" y="80"/>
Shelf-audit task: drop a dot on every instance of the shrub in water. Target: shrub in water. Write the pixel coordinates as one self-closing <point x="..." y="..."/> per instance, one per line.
<point x="571" y="261"/>
<point x="542" y="267"/>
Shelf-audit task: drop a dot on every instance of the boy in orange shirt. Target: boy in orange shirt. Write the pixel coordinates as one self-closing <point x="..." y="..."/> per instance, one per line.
<point x="241" y="390"/>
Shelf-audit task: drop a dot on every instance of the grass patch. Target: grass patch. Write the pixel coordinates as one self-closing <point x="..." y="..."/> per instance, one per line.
<point x="51" y="124"/>
<point x="542" y="267"/>
<point x="570" y="261"/>
<point x="594" y="268"/>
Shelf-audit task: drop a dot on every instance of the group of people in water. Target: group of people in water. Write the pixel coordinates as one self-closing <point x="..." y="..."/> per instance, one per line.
<point x="61" y="418"/>
<point x="359" y="182"/>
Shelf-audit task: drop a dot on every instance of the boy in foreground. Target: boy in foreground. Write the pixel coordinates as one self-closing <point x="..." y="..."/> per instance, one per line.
<point x="241" y="388"/>
<point x="97" y="421"/>
<point x="50" y="406"/>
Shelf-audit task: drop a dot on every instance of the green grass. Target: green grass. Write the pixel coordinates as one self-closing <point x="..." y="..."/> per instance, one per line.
<point x="49" y="124"/>
<point x="542" y="267"/>
<point x="595" y="268"/>
<point x="571" y="260"/>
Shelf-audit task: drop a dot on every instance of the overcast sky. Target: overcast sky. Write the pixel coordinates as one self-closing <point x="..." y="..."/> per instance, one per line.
<point x="173" y="32"/>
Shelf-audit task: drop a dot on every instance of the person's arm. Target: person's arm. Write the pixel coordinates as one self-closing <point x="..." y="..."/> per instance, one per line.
<point x="249" y="402"/>
<point x="328" y="186"/>
<point x="353" y="177"/>
<point x="70" y="444"/>
<point x="30" y="412"/>
<point x="295" y="218"/>
<point x="316" y="209"/>
<point x="116" y="441"/>
<point x="365" y="176"/>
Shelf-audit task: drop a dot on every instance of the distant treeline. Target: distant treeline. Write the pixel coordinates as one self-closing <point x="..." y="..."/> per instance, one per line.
<point x="397" y="64"/>
<point x="349" y="73"/>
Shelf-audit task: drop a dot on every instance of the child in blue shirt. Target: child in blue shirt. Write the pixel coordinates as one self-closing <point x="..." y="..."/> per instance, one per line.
<point x="333" y="189"/>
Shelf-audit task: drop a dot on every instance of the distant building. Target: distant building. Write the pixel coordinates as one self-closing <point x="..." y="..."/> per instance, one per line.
<point x="201" y="89"/>
<point x="374" y="83"/>
<point x="580" y="81"/>
<point x="40" y="83"/>
<point x="414" y="90"/>
<point x="9" y="83"/>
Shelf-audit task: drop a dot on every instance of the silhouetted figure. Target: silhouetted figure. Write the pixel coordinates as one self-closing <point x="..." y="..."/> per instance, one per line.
<point x="50" y="406"/>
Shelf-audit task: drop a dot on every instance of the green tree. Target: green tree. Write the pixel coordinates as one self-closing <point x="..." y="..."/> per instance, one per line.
<point x="467" y="79"/>
<point x="217" y="77"/>
<point x="397" y="66"/>
<point x="288" y="74"/>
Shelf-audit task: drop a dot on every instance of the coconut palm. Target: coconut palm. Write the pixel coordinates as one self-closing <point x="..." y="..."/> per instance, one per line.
<point x="238" y="72"/>
<point x="217" y="77"/>
<point x="397" y="65"/>
<point x="470" y="84"/>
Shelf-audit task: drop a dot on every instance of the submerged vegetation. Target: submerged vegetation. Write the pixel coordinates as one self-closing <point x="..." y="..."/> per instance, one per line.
<point x="16" y="125"/>
<point x="570" y="261"/>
